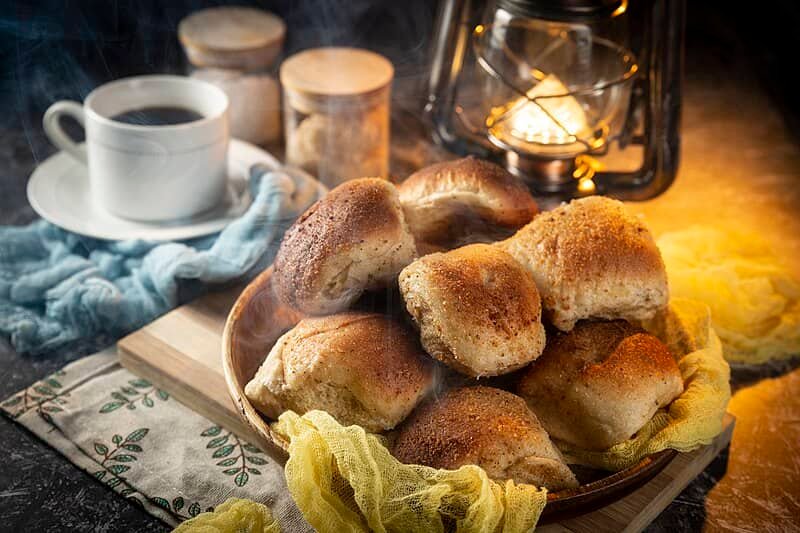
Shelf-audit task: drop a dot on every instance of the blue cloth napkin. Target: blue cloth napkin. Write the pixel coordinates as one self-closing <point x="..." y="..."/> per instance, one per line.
<point x="57" y="287"/>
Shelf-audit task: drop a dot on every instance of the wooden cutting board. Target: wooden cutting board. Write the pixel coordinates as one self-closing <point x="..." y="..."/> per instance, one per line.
<point x="181" y="353"/>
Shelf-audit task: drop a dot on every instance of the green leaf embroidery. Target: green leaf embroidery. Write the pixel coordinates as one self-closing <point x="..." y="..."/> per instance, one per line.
<point x="241" y="479"/>
<point x="100" y="474"/>
<point x="219" y="441"/>
<point x="178" y="503"/>
<point x="211" y="432"/>
<point x="137" y="435"/>
<point x="44" y="390"/>
<point x="124" y="458"/>
<point x="118" y="469"/>
<point x="223" y="452"/>
<point x="161" y="502"/>
<point x="115" y="456"/>
<point x="111" y="406"/>
<point x="235" y="464"/>
<point x="40" y="396"/>
<point x="140" y="383"/>
<point x="250" y="448"/>
<point x="140" y="390"/>
<point x="11" y="402"/>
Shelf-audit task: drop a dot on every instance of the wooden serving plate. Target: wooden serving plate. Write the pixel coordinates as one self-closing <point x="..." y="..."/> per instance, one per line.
<point x="256" y="321"/>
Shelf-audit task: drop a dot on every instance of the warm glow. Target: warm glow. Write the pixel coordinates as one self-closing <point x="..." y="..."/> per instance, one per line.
<point x="585" y="169"/>
<point x="586" y="186"/>
<point x="556" y="120"/>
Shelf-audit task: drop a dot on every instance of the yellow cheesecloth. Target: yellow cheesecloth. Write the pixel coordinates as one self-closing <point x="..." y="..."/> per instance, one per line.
<point x="344" y="479"/>
<point x="754" y="297"/>
<point x="234" y="516"/>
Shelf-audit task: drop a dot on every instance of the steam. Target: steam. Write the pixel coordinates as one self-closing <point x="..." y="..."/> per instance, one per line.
<point x="51" y="51"/>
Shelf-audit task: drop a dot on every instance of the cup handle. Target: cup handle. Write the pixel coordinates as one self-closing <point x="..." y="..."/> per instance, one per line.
<point x="52" y="127"/>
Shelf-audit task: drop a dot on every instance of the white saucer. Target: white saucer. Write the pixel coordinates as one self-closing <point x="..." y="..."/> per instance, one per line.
<point x="58" y="191"/>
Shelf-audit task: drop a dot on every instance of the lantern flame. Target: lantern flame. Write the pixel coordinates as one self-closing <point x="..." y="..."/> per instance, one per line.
<point x="555" y="117"/>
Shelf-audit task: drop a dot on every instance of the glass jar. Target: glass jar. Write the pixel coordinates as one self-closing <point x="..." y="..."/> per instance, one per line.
<point x="255" y="109"/>
<point x="336" y="106"/>
<point x="236" y="48"/>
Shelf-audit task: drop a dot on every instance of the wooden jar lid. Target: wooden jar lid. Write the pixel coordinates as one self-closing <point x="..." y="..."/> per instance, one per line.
<point x="232" y="37"/>
<point x="336" y="72"/>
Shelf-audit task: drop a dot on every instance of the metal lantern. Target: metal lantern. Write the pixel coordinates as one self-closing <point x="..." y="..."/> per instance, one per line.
<point x="574" y="96"/>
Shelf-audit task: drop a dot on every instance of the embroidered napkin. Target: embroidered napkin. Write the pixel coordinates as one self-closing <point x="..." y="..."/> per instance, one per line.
<point x="139" y="441"/>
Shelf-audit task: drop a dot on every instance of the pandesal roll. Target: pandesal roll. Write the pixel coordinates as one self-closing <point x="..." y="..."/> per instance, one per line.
<point x="483" y="426"/>
<point x="466" y="200"/>
<point x="597" y="385"/>
<point x="477" y="309"/>
<point x="362" y="368"/>
<point x="354" y="239"/>
<point x="592" y="259"/>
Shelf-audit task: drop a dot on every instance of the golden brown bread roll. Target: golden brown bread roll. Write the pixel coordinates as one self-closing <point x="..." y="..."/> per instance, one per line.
<point x="362" y="368"/>
<point x="599" y="384"/>
<point x="487" y="427"/>
<point x="354" y="239"/>
<point x="466" y="199"/>
<point x="477" y="309"/>
<point x="592" y="259"/>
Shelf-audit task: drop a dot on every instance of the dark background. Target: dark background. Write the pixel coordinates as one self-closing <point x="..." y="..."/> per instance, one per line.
<point x="50" y="50"/>
<point x="53" y="49"/>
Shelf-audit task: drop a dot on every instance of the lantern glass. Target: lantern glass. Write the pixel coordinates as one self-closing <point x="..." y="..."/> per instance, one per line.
<point x="544" y="88"/>
<point x="562" y="90"/>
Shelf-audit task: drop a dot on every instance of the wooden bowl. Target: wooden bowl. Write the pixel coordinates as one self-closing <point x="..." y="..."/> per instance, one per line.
<point x="256" y="321"/>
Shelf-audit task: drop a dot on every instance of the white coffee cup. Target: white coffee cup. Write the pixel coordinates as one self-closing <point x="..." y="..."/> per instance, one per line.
<point x="150" y="173"/>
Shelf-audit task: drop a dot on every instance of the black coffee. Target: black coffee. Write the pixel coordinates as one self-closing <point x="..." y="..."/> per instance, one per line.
<point x="158" y="116"/>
